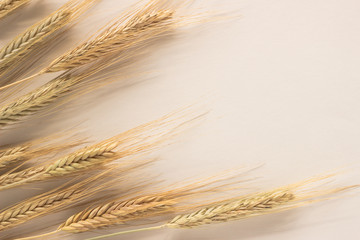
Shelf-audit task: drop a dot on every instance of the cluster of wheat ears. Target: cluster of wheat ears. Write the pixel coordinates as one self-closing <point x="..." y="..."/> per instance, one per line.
<point x="97" y="170"/>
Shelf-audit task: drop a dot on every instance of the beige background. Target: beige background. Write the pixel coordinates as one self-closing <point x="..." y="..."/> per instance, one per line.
<point x="282" y="83"/>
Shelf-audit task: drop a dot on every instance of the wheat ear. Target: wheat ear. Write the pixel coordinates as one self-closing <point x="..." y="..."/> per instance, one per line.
<point x="35" y="100"/>
<point x="113" y="39"/>
<point x="115" y="213"/>
<point x="140" y="139"/>
<point x="280" y="199"/>
<point x="8" y="6"/>
<point x="22" y="43"/>
<point x="12" y="155"/>
<point x="37" y="34"/>
<point x="71" y="163"/>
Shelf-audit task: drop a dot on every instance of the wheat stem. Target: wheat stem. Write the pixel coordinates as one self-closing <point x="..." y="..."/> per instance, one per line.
<point x="126" y="232"/>
<point x="38" y="236"/>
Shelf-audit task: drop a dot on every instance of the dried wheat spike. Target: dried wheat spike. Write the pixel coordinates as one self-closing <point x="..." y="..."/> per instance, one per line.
<point x="25" y="41"/>
<point x="8" y="180"/>
<point x="12" y="155"/>
<point x="116" y="212"/>
<point x="113" y="39"/>
<point x="8" y="6"/>
<point x="83" y="159"/>
<point x="140" y="139"/>
<point x="37" y="33"/>
<point x="35" y="100"/>
<point x="233" y="210"/>
<point x="34" y="207"/>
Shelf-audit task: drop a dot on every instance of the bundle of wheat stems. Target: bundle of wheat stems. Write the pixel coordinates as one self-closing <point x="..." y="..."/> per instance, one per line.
<point x="130" y="29"/>
<point x="8" y="6"/>
<point x="97" y="169"/>
<point x="143" y="25"/>
<point x="119" y="212"/>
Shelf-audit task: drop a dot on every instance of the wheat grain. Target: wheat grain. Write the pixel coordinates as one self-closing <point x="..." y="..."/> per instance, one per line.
<point x="8" y="6"/>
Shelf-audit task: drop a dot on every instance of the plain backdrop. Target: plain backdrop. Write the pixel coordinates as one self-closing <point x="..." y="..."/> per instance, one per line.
<point x="281" y="81"/>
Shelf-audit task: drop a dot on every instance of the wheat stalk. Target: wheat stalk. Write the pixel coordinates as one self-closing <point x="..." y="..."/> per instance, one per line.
<point x="8" y="6"/>
<point x="38" y="33"/>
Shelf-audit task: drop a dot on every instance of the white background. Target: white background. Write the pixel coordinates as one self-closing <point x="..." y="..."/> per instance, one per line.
<point x="281" y="78"/>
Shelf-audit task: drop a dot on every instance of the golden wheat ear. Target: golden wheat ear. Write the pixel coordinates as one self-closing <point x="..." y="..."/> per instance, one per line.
<point x="8" y="6"/>
<point x="140" y="25"/>
<point x="35" y="149"/>
<point x="141" y="139"/>
<point x="280" y="199"/>
<point x="13" y="52"/>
